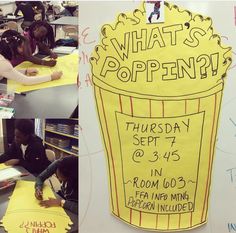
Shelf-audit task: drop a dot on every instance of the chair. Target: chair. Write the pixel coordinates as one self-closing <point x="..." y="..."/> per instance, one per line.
<point x="70" y="31"/>
<point x="76" y="13"/>
<point x="51" y="157"/>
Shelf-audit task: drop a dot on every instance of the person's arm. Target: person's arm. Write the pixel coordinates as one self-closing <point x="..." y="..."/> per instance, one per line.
<point x="11" y="153"/>
<point x="45" y="49"/>
<point x="66" y="204"/>
<point x="7" y="71"/>
<point x="17" y="10"/>
<point x="5" y="157"/>
<point x="39" y="61"/>
<point x="28" y="56"/>
<point x="49" y="171"/>
<point x="43" y="12"/>
<point x="71" y="206"/>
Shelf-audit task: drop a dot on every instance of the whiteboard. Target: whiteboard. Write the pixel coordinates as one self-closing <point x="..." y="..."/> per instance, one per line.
<point x="94" y="189"/>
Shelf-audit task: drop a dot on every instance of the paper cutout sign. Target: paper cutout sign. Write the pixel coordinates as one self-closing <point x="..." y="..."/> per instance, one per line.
<point x="68" y="64"/>
<point x="24" y="214"/>
<point x="158" y="89"/>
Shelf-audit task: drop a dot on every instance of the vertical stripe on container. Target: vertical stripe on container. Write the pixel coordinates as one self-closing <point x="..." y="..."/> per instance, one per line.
<point x="185" y="106"/>
<point x="121" y="110"/>
<point x="168" y="222"/>
<point x="163" y="113"/>
<point x="117" y="204"/>
<point x="179" y="220"/>
<point x="130" y="216"/>
<point x="199" y="103"/>
<point x="140" y="218"/>
<point x="157" y="220"/>
<point x="150" y="108"/>
<point x="210" y="161"/>
<point x="131" y="106"/>
<point x="191" y="219"/>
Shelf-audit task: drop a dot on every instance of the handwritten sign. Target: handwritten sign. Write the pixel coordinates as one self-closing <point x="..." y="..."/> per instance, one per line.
<point x="37" y="226"/>
<point x="158" y="90"/>
<point x="24" y="214"/>
<point x="160" y="145"/>
<point x="231" y="174"/>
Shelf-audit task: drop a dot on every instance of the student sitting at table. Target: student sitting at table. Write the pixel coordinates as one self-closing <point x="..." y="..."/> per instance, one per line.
<point x="27" y="150"/>
<point x="26" y="53"/>
<point x="11" y="47"/>
<point x="41" y="35"/>
<point x="66" y="170"/>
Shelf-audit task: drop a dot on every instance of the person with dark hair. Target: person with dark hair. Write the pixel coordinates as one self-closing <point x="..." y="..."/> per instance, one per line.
<point x="12" y="45"/>
<point x="26" y="54"/>
<point x="66" y="170"/>
<point x="27" y="150"/>
<point x="28" y="13"/>
<point x="38" y="8"/>
<point x="41" y="35"/>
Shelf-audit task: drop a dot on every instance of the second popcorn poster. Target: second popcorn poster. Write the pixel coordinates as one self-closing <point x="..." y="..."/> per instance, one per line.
<point x="158" y="90"/>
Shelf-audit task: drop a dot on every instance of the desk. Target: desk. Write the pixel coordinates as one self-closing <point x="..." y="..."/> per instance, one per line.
<point x="54" y="102"/>
<point x="6" y="193"/>
<point x="65" y="21"/>
<point x="16" y="19"/>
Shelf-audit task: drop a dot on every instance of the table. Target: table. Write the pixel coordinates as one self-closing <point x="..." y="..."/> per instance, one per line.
<point x="65" y="21"/>
<point x="16" y="19"/>
<point x="6" y="193"/>
<point x="53" y="102"/>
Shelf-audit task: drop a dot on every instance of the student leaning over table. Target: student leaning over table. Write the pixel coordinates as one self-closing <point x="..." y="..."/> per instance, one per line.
<point x="39" y="36"/>
<point x="27" y="150"/>
<point x="9" y="48"/>
<point x="66" y="170"/>
<point x="26" y="54"/>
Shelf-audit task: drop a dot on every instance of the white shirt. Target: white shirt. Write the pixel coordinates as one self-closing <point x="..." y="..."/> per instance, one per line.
<point x="23" y="148"/>
<point x="9" y="72"/>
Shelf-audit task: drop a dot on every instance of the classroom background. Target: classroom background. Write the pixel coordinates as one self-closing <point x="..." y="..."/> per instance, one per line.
<point x="36" y="101"/>
<point x="60" y="139"/>
<point x="59" y="135"/>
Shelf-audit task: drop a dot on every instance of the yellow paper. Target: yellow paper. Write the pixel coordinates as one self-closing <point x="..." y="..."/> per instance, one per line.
<point x="67" y="64"/>
<point x="158" y="89"/>
<point x="3" y="166"/>
<point x="24" y="214"/>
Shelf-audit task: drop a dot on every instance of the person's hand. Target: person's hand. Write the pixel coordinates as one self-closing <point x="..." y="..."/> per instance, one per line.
<point x="50" y="202"/>
<point x="56" y="75"/>
<point x="50" y="63"/>
<point x="12" y="162"/>
<point x="53" y="55"/>
<point x="31" y="71"/>
<point x="38" y="194"/>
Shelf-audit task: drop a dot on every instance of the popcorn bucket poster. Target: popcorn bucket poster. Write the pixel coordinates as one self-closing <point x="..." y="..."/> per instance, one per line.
<point x="158" y="89"/>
